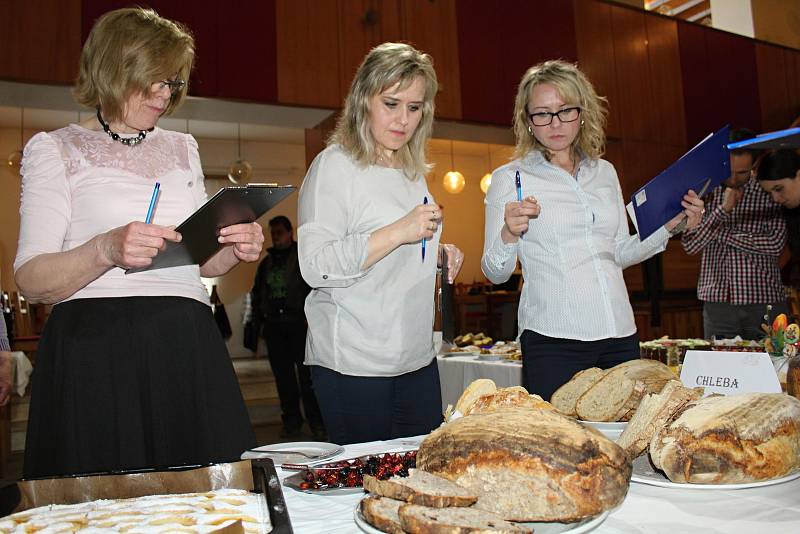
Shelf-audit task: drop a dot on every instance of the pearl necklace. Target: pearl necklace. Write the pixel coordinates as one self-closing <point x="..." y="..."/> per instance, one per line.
<point x="127" y="141"/>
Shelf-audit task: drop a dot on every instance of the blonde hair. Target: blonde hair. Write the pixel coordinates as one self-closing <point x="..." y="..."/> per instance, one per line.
<point x="126" y="52"/>
<point x="575" y="89"/>
<point x="385" y="66"/>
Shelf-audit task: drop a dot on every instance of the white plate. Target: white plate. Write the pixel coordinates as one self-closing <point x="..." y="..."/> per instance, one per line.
<point x="320" y="451"/>
<point x="539" y="528"/>
<point x="611" y="430"/>
<point x="645" y="473"/>
<point x="489" y="357"/>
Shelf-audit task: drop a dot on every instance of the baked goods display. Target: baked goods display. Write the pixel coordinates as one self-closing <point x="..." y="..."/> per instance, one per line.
<point x="730" y="439"/>
<point x="613" y="394"/>
<point x="481" y="344"/>
<point x="351" y="473"/>
<point x="421" y="487"/>
<point x="483" y="396"/>
<point x="190" y="512"/>
<point x="529" y="464"/>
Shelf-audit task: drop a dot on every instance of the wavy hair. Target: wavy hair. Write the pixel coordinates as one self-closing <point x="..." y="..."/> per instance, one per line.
<point x="385" y="66"/>
<point x="575" y="89"/>
<point x="126" y="52"/>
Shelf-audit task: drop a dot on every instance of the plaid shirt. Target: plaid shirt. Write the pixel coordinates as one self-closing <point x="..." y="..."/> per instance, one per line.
<point x="740" y="248"/>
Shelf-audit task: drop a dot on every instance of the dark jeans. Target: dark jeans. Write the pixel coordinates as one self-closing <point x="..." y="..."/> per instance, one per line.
<point x="723" y="320"/>
<point x="370" y="408"/>
<point x="548" y="363"/>
<point x="286" y="347"/>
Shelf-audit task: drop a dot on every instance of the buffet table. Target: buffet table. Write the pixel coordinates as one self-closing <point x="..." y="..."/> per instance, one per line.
<point x="646" y="509"/>
<point x="457" y="372"/>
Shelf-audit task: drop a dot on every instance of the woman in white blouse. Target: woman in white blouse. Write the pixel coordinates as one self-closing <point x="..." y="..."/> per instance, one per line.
<point x="366" y="221"/>
<point x="569" y="231"/>
<point x="131" y="370"/>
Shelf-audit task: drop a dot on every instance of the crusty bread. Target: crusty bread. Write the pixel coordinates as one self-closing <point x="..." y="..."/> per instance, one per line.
<point x="612" y="396"/>
<point x="729" y="440"/>
<point x="565" y="397"/>
<point x="529" y="464"/>
<point x="382" y="513"/>
<point x="515" y="396"/>
<point x="655" y="410"/>
<point x="421" y="488"/>
<point x="417" y="519"/>
<point x="481" y="386"/>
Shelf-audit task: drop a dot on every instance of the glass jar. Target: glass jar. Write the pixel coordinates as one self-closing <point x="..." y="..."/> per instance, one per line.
<point x="793" y="377"/>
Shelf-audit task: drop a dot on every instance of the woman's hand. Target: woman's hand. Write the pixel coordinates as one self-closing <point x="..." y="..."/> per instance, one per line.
<point x="455" y="260"/>
<point x="517" y="216"/>
<point x="135" y="244"/>
<point x="247" y="240"/>
<point x="693" y="209"/>
<point x="419" y="223"/>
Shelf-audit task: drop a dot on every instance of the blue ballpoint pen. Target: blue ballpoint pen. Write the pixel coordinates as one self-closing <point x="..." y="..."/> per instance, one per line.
<point x="149" y="217"/>
<point x="518" y="182"/>
<point x="424" y="201"/>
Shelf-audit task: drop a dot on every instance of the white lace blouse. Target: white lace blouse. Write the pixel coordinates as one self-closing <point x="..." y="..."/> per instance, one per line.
<point x="78" y="183"/>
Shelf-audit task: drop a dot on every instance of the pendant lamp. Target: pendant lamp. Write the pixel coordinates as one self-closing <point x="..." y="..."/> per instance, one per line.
<point x="239" y="172"/>
<point x="453" y="181"/>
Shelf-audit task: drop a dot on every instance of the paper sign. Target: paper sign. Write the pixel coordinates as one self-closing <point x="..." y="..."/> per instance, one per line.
<point x="730" y="373"/>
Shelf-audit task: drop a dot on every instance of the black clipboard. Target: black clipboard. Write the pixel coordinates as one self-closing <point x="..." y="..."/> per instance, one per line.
<point x="230" y="205"/>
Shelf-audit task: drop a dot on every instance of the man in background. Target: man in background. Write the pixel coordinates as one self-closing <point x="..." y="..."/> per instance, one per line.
<point x="741" y="237"/>
<point x="278" y="298"/>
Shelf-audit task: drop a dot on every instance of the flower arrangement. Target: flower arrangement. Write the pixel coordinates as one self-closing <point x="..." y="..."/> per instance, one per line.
<point x="783" y="339"/>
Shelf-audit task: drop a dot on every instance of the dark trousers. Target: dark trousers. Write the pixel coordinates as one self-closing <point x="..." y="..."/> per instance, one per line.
<point x="286" y="347"/>
<point x="548" y="362"/>
<point x="370" y="408"/>
<point x="723" y="320"/>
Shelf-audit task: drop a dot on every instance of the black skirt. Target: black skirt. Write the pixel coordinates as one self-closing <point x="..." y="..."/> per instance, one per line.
<point x="135" y="382"/>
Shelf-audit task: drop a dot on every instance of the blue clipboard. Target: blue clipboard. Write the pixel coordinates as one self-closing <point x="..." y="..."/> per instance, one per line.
<point x="789" y="138"/>
<point x="705" y="165"/>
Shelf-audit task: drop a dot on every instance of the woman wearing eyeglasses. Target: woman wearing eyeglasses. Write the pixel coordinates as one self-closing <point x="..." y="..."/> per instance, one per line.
<point x="565" y="220"/>
<point x="131" y="370"/>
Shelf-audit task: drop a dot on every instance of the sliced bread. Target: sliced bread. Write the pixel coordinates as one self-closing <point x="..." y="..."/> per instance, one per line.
<point x="382" y="513"/>
<point x="612" y="396"/>
<point x="655" y="411"/>
<point x="417" y="519"/>
<point x="565" y="397"/>
<point x="476" y="389"/>
<point x="423" y="488"/>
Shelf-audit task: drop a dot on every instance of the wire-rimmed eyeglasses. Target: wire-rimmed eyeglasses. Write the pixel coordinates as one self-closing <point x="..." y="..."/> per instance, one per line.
<point x="175" y="86"/>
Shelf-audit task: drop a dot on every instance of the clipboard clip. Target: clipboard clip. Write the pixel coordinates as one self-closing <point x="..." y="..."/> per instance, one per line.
<point x="681" y="226"/>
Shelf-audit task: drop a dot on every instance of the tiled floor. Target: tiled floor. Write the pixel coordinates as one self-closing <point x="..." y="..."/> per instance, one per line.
<point x="258" y="389"/>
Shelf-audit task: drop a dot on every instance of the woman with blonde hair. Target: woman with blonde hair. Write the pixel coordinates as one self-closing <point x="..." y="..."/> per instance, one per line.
<point x="366" y="221"/>
<point x="131" y="370"/>
<point x="558" y="208"/>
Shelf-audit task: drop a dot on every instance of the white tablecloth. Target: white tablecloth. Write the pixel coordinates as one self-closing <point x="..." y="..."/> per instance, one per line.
<point x="646" y="509"/>
<point x="457" y="372"/>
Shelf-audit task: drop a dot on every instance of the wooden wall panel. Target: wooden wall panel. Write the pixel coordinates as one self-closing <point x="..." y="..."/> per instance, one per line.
<point x="308" y="53"/>
<point x="430" y="25"/>
<point x="493" y="60"/>
<point x="665" y="75"/>
<point x="638" y="116"/>
<point x="40" y="40"/>
<point x="681" y="270"/>
<point x="793" y="81"/>
<point x="595" y="51"/>
<point x="773" y="86"/>
<point x="697" y="85"/>
<point x="364" y="24"/>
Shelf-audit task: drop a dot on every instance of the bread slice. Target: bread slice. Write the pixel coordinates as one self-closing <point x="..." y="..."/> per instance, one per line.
<point x="655" y="411"/>
<point x="612" y="396"/>
<point x="565" y="397"/>
<point x="382" y="513"/>
<point x="423" y="488"/>
<point x="417" y="519"/>
<point x="479" y="387"/>
<point x="515" y="396"/>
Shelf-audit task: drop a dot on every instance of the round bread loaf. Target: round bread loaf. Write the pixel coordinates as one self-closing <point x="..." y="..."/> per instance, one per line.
<point x="529" y="464"/>
<point x="731" y="440"/>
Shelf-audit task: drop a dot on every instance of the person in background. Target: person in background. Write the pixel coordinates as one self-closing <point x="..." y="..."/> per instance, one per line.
<point x="368" y="239"/>
<point x="5" y="364"/>
<point x="277" y="299"/>
<point x="131" y="371"/>
<point x="741" y="238"/>
<point x="565" y="220"/>
<point x="778" y="174"/>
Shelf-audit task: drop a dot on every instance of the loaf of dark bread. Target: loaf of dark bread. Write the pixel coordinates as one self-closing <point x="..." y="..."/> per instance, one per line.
<point x="423" y="520"/>
<point x="382" y="513"/>
<point x="529" y="464"/>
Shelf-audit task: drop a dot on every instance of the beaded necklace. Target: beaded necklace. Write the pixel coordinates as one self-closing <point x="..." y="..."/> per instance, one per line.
<point x="127" y="141"/>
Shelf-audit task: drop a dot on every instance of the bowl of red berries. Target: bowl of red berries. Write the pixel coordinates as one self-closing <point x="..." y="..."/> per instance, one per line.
<point x="346" y="476"/>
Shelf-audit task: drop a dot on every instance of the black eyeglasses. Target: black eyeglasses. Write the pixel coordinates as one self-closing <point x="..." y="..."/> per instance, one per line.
<point x="175" y="86"/>
<point x="544" y="118"/>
